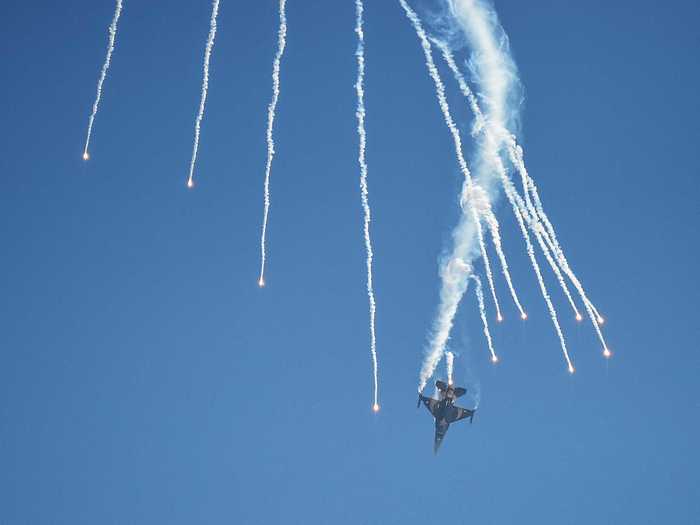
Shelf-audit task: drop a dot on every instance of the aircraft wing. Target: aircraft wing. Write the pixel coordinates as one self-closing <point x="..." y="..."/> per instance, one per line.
<point x="430" y="403"/>
<point x="456" y="413"/>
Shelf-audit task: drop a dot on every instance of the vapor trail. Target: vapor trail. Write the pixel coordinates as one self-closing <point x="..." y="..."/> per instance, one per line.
<point x="359" y="88"/>
<point x="450" y="361"/>
<point x="271" y="109"/>
<point x="103" y="75"/>
<point x="482" y="312"/>
<point x="205" y="89"/>
<point x="453" y="286"/>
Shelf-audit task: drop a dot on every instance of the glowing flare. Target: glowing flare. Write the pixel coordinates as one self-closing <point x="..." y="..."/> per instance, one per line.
<point x="103" y="75"/>
<point x="494" y="359"/>
<point x="499" y="318"/>
<point x="523" y="316"/>
<point x="261" y="283"/>
<point x="571" y="369"/>
<point x="600" y="320"/>
<point x="579" y="317"/>
<point x="375" y="408"/>
<point x="190" y="183"/>
<point x="607" y="353"/>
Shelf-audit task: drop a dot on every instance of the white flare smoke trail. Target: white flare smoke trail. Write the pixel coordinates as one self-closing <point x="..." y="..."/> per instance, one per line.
<point x="271" y="109"/>
<point x="205" y="89"/>
<point x="483" y="126"/>
<point x="492" y="222"/>
<point x="453" y="284"/>
<point x="531" y="188"/>
<point x="513" y="197"/>
<point x="450" y="361"/>
<point x="362" y="160"/>
<point x="103" y="75"/>
<point x="482" y="312"/>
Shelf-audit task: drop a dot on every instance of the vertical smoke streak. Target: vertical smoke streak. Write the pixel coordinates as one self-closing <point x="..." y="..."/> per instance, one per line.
<point x="482" y="312"/>
<point x="593" y="314"/>
<point x="469" y="228"/>
<point x="492" y="223"/>
<point x="362" y="160"/>
<point x="517" y="207"/>
<point x="103" y="75"/>
<point x="487" y="129"/>
<point x="496" y="71"/>
<point x="450" y="361"/>
<point x="271" y="109"/>
<point x="205" y="89"/>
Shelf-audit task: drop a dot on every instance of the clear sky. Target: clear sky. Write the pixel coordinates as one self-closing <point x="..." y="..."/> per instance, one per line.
<point x="145" y="378"/>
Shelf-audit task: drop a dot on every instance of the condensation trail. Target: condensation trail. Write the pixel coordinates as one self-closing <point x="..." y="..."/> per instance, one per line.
<point x="452" y="290"/>
<point x="103" y="75"/>
<point x="362" y="160"/>
<point x="482" y="312"/>
<point x="450" y="361"/>
<point x="205" y="89"/>
<point x="271" y="109"/>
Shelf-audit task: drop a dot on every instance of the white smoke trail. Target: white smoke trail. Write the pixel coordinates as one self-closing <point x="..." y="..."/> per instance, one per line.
<point x="495" y="71"/>
<point x="450" y="361"/>
<point x="487" y="266"/>
<point x="103" y="75"/>
<point x="362" y="133"/>
<point x="538" y="211"/>
<point x="205" y="89"/>
<point x="482" y="312"/>
<point x="514" y="198"/>
<point x="483" y="126"/>
<point x="453" y="284"/>
<point x="271" y="108"/>
<point x="531" y="189"/>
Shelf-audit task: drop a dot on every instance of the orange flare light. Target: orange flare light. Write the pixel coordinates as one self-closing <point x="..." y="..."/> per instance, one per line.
<point x="607" y="353"/>
<point x="261" y="282"/>
<point x="571" y="369"/>
<point x="494" y="359"/>
<point x="579" y="317"/>
<point x="190" y="183"/>
<point x="499" y="318"/>
<point x="600" y="320"/>
<point x="375" y="408"/>
<point x="523" y="316"/>
<point x="86" y="156"/>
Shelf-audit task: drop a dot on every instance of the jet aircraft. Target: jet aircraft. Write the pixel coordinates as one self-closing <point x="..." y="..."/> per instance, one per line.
<point x="444" y="410"/>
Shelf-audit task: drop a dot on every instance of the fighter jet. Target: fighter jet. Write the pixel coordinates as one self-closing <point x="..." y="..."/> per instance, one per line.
<point x="444" y="410"/>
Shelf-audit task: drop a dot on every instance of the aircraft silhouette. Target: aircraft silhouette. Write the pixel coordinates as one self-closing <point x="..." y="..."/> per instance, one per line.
<point x="444" y="410"/>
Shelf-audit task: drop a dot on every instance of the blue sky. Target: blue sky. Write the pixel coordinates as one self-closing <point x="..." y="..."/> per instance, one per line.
<point x="144" y="377"/>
